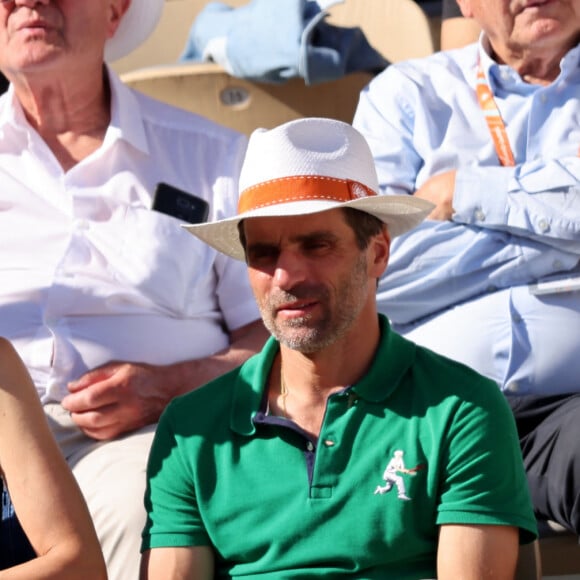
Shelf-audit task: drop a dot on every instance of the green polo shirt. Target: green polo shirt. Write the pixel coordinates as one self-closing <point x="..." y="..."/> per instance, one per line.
<point x="274" y="504"/>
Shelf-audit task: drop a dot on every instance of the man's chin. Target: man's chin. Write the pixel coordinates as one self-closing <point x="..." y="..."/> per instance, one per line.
<point x="306" y="341"/>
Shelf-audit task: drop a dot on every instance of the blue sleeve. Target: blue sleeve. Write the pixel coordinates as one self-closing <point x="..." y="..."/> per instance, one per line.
<point x="386" y="118"/>
<point x="538" y="200"/>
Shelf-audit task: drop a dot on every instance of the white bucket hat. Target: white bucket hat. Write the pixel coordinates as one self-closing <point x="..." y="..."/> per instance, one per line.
<point x="136" y="25"/>
<point x="308" y="166"/>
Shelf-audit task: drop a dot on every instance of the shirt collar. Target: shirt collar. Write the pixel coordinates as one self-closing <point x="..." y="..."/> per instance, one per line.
<point x="127" y="120"/>
<point x="393" y="359"/>
<point x="249" y="388"/>
<point x="11" y="113"/>
<point x="485" y="52"/>
<point x="571" y="62"/>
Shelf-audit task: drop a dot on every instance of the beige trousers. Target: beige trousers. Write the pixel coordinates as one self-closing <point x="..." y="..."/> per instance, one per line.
<point x="112" y="478"/>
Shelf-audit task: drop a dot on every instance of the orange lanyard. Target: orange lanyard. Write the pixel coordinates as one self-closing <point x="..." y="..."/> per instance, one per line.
<point x="493" y="119"/>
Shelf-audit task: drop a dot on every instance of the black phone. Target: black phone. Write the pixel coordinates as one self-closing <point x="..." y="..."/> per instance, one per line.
<point x="180" y="204"/>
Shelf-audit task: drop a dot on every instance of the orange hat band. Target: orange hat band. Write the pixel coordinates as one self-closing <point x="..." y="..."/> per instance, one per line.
<point x="301" y="188"/>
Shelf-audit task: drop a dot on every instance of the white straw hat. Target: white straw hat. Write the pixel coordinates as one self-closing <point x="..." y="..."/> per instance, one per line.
<point x="136" y="25"/>
<point x="308" y="166"/>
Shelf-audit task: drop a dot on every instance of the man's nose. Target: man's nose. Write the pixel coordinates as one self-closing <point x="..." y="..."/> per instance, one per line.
<point x="290" y="269"/>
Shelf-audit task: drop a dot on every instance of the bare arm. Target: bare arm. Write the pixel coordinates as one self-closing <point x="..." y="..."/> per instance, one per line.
<point x="477" y="552"/>
<point x="120" y="396"/>
<point x="45" y="494"/>
<point x="194" y="563"/>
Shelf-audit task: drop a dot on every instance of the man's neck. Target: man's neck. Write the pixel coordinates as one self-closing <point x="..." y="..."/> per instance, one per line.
<point x="534" y="65"/>
<point x="300" y="384"/>
<point x="535" y="69"/>
<point x="71" y="117"/>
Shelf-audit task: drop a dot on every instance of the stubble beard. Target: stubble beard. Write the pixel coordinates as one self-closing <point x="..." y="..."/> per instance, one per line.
<point x="309" y="334"/>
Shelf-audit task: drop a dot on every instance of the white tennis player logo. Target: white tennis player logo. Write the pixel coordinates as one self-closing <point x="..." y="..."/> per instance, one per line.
<point x="393" y="476"/>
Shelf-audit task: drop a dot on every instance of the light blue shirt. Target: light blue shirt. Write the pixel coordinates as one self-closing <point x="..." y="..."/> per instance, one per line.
<point x="463" y="287"/>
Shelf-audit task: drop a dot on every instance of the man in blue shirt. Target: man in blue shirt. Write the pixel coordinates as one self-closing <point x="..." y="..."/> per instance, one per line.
<point x="491" y="134"/>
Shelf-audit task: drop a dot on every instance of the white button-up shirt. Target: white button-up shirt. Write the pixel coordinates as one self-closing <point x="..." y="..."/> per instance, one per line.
<point x="88" y="272"/>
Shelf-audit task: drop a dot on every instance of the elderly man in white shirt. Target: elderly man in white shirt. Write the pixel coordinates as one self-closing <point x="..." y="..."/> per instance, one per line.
<point x="113" y="307"/>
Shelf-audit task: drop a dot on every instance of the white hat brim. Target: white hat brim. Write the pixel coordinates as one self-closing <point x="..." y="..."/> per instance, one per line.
<point x="400" y="213"/>
<point x="135" y="27"/>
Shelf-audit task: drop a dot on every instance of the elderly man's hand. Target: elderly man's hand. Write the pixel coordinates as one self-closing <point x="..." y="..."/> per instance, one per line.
<point x="439" y="190"/>
<point x="119" y="397"/>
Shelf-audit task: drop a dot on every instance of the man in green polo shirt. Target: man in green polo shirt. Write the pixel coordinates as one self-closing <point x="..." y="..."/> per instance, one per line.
<point x="342" y="449"/>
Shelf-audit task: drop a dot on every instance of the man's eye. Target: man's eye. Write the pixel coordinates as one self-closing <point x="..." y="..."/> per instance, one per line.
<point x="262" y="255"/>
<point x="317" y="246"/>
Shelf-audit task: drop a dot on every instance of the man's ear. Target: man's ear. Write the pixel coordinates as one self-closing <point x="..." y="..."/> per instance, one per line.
<point x="379" y="249"/>
<point x="117" y="9"/>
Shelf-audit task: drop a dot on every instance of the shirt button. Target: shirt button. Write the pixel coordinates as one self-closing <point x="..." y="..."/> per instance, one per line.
<point x="543" y="98"/>
<point x="513" y="387"/>
<point x="329" y="443"/>
<point x="479" y="215"/>
<point x="310" y="446"/>
<point x="544" y="226"/>
<point x="82" y="225"/>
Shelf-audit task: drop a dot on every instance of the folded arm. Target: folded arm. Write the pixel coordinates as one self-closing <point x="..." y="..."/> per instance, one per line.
<point x="493" y="227"/>
<point x="122" y="396"/>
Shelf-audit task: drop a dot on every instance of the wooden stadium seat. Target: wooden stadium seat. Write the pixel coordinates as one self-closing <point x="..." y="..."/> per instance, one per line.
<point x="167" y="41"/>
<point x="397" y="28"/>
<point x="560" y="551"/>
<point x="529" y="562"/>
<point x="206" y="89"/>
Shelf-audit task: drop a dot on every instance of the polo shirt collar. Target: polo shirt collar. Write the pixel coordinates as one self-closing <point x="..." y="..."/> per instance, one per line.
<point x="393" y="359"/>
<point x="249" y="388"/>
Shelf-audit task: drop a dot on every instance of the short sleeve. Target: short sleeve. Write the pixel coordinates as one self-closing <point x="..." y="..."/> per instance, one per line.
<point x="485" y="481"/>
<point x="173" y="518"/>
